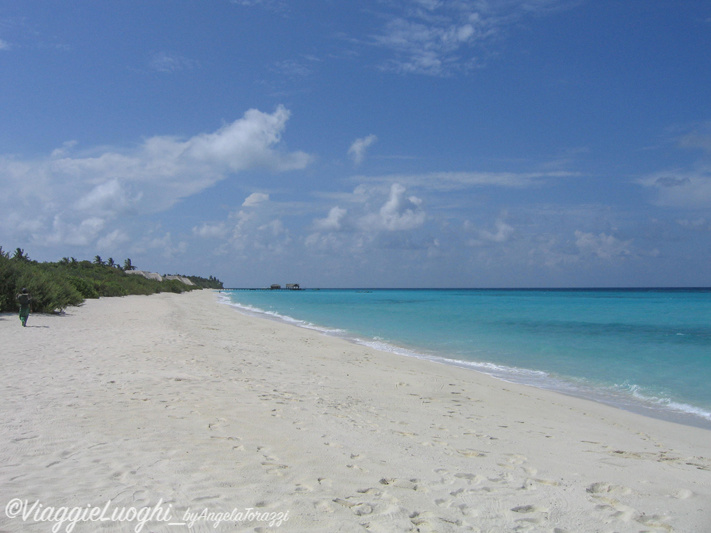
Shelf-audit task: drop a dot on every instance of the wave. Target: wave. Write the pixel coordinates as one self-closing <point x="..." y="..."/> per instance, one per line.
<point x="625" y="396"/>
<point x="256" y="311"/>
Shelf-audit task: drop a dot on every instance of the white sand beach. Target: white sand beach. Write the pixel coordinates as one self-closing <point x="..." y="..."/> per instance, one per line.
<point x="177" y="403"/>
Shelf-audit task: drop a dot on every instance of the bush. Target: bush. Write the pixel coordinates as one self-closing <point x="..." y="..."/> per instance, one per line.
<point x="49" y="293"/>
<point x="84" y="287"/>
<point x="55" y="286"/>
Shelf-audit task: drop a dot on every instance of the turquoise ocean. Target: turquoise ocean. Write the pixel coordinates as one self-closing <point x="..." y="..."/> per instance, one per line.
<point x="644" y="350"/>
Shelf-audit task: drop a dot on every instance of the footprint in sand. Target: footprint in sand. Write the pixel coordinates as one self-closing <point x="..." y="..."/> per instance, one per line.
<point x="472" y="479"/>
<point x="606" y="488"/>
<point x="471" y="453"/>
<point x="411" y="484"/>
<point x="683" y="494"/>
<point x="530" y="514"/>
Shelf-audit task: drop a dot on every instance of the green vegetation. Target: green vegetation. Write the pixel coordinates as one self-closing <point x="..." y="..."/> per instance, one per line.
<point x="55" y="286"/>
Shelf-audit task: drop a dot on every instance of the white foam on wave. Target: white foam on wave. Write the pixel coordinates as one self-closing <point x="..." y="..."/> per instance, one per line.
<point x="662" y="402"/>
<point x="625" y="396"/>
<point x="256" y="311"/>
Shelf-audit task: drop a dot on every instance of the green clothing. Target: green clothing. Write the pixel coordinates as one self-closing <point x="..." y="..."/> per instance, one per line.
<point x="24" y="300"/>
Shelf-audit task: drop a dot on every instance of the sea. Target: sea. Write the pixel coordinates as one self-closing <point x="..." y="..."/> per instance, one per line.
<point x="643" y="350"/>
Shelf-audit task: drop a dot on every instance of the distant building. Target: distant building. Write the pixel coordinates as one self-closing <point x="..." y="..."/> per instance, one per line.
<point x="275" y="286"/>
<point x="293" y="286"/>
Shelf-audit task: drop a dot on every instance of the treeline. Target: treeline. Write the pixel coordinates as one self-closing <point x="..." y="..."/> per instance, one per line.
<point x="55" y="286"/>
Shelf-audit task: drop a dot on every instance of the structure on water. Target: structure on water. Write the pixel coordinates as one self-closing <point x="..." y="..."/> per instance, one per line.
<point x="289" y="286"/>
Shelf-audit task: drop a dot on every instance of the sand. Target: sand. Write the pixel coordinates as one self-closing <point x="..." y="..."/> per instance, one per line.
<point x="132" y="413"/>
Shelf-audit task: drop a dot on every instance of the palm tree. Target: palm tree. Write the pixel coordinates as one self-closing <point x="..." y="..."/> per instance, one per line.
<point x="110" y="262"/>
<point x="97" y="260"/>
<point x="127" y="265"/>
<point x="20" y="255"/>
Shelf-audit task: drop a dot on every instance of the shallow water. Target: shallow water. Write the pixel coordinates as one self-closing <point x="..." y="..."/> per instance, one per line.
<point x="644" y="350"/>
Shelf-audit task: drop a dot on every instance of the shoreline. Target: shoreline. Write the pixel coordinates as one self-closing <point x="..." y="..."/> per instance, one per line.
<point x="644" y="406"/>
<point x="180" y="399"/>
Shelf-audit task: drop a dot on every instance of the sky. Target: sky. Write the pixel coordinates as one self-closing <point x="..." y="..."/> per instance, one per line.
<point x="377" y="143"/>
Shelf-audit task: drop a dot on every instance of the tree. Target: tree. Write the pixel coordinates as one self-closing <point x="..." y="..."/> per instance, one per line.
<point x="98" y="260"/>
<point x="110" y="262"/>
<point x="20" y="255"/>
<point x="127" y="265"/>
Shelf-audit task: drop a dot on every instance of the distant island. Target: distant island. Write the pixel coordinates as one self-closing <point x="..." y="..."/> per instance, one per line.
<point x="55" y="286"/>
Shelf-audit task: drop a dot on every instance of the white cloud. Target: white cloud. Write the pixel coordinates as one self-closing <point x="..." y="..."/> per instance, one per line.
<point x="66" y="147"/>
<point x="378" y="216"/>
<point x="685" y="189"/>
<point x="273" y="227"/>
<point x="398" y="213"/>
<point x="602" y="245"/>
<point x="108" y="198"/>
<point x="247" y="143"/>
<point x="501" y="233"/>
<point x="450" y="181"/>
<point x="255" y="198"/>
<point x="166" y="63"/>
<point x="333" y="222"/>
<point x="292" y="68"/>
<point x="277" y="6"/>
<point x="438" y="38"/>
<point x="67" y="194"/>
<point x="75" y="234"/>
<point x="688" y="188"/>
<point x="210" y="231"/>
<point x="4" y="45"/>
<point x="162" y="244"/>
<point x="359" y="147"/>
<point x="112" y="240"/>
<point x="698" y="139"/>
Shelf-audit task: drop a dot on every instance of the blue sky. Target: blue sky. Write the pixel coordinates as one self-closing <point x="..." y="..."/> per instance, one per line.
<point x="421" y="143"/>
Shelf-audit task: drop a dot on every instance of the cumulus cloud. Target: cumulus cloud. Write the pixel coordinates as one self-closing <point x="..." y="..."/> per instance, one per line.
<point x="501" y="233"/>
<point x="108" y="198"/>
<point x="210" y="231"/>
<point x="359" y="147"/>
<point x="333" y="222"/>
<point x="602" y="245"/>
<point x="274" y="228"/>
<point x="67" y="194"/>
<point x="384" y="217"/>
<point x="399" y="212"/>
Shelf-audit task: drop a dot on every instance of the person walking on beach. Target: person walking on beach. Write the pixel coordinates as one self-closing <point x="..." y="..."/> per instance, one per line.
<point x="24" y="299"/>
